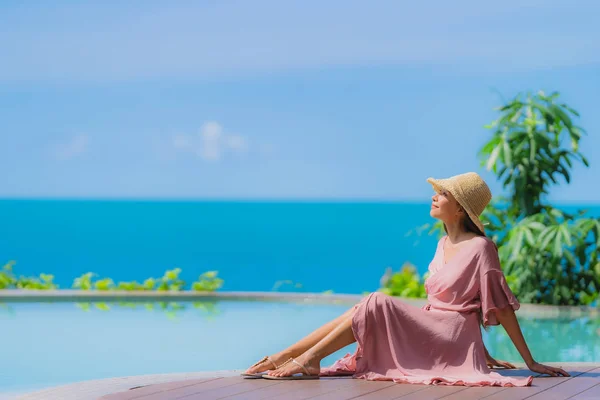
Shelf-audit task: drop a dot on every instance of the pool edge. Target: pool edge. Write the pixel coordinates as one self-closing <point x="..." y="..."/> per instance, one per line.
<point x="67" y="295"/>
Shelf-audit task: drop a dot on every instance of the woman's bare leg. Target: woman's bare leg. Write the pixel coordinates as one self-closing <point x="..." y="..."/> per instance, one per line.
<point x="303" y="344"/>
<point x="338" y="338"/>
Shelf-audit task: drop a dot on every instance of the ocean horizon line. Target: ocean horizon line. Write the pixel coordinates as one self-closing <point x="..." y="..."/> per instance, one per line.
<point x="264" y="200"/>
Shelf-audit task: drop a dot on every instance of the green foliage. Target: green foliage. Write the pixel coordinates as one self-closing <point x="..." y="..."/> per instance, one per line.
<point x="148" y="284"/>
<point x="8" y="280"/>
<point x="527" y="150"/>
<point x="208" y="282"/>
<point x="404" y="283"/>
<point x="84" y="282"/>
<point x="552" y="258"/>
<point x="104" y="284"/>
<point x="44" y="282"/>
<point x="170" y="281"/>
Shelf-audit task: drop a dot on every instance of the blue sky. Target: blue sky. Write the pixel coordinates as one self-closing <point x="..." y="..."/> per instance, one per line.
<point x="272" y="100"/>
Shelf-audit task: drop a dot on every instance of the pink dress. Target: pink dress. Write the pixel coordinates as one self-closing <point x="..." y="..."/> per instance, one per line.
<point x="441" y="342"/>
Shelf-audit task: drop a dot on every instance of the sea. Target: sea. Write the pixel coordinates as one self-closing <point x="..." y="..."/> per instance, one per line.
<point x="299" y="246"/>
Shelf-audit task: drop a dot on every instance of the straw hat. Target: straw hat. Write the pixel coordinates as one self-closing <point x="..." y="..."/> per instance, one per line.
<point x="471" y="192"/>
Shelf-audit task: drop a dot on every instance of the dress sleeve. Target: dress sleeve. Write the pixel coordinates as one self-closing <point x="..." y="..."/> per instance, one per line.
<point x="494" y="291"/>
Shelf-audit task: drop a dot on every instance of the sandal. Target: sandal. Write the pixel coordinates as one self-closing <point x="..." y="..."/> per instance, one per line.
<point x="260" y="374"/>
<point x="297" y="376"/>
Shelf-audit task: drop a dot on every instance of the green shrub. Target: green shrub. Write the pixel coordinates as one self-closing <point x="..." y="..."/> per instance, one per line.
<point x="104" y="284"/>
<point x="84" y="282"/>
<point x="148" y="284"/>
<point x="44" y="282"/>
<point x="208" y="282"/>
<point x="9" y="281"/>
<point x="404" y="283"/>
<point x="170" y="281"/>
<point x="7" y="278"/>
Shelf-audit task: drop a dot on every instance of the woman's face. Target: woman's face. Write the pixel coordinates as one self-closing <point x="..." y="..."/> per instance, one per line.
<point x="445" y="207"/>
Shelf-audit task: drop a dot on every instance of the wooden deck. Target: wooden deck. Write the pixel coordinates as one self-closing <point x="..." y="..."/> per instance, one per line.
<point x="584" y="383"/>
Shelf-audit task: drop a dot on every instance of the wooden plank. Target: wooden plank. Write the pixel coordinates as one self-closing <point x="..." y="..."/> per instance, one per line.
<point x="584" y="383"/>
<point x="152" y="389"/>
<point x="249" y="385"/>
<point x="475" y="393"/>
<point x="570" y="387"/>
<point x="351" y="392"/>
<point x="540" y="384"/>
<point x="434" y="392"/>
<point x="187" y="389"/>
<point x="393" y="392"/>
<point x="310" y="389"/>
<point x="287" y="389"/>
<point x="262" y="393"/>
<point x="592" y="393"/>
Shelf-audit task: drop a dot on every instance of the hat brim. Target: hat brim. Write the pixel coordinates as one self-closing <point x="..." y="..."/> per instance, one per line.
<point x="439" y="184"/>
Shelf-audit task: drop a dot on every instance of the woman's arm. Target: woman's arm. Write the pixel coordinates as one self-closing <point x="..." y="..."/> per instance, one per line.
<point x="507" y="318"/>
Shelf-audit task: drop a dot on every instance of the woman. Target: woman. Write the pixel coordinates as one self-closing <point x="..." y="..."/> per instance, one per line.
<point x="440" y="343"/>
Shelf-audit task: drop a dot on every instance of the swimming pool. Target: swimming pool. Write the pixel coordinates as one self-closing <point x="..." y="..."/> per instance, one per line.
<point x="47" y="344"/>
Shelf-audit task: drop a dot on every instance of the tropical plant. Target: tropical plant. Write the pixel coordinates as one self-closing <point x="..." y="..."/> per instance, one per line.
<point x="527" y="150"/>
<point x="170" y="281"/>
<point x="550" y="256"/>
<point x="84" y="282"/>
<point x="8" y="280"/>
<point x="404" y="283"/>
<point x="43" y="282"/>
<point x="148" y="284"/>
<point x="208" y="282"/>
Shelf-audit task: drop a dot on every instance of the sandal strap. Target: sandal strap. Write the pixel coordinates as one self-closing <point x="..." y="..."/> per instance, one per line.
<point x="264" y="359"/>
<point x="272" y="362"/>
<point x="301" y="366"/>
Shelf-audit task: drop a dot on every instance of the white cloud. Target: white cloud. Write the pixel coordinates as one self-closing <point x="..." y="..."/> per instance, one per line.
<point x="237" y="143"/>
<point x="75" y="147"/>
<point x="211" y="142"/>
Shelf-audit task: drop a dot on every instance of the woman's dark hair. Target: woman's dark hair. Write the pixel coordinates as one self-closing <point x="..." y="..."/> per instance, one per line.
<point x="470" y="226"/>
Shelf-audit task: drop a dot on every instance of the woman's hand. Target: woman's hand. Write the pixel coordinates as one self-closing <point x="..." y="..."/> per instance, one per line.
<point x="545" y="369"/>
<point x="491" y="363"/>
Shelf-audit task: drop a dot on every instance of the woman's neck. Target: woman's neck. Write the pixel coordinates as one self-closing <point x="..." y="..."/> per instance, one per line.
<point x="456" y="233"/>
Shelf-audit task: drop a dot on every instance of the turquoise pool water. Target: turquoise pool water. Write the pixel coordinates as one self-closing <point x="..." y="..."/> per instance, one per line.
<point x="47" y="344"/>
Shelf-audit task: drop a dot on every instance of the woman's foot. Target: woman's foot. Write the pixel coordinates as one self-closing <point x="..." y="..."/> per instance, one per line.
<point x="312" y="365"/>
<point x="271" y="363"/>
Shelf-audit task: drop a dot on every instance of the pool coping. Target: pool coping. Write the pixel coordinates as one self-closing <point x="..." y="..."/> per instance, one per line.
<point x="71" y="295"/>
